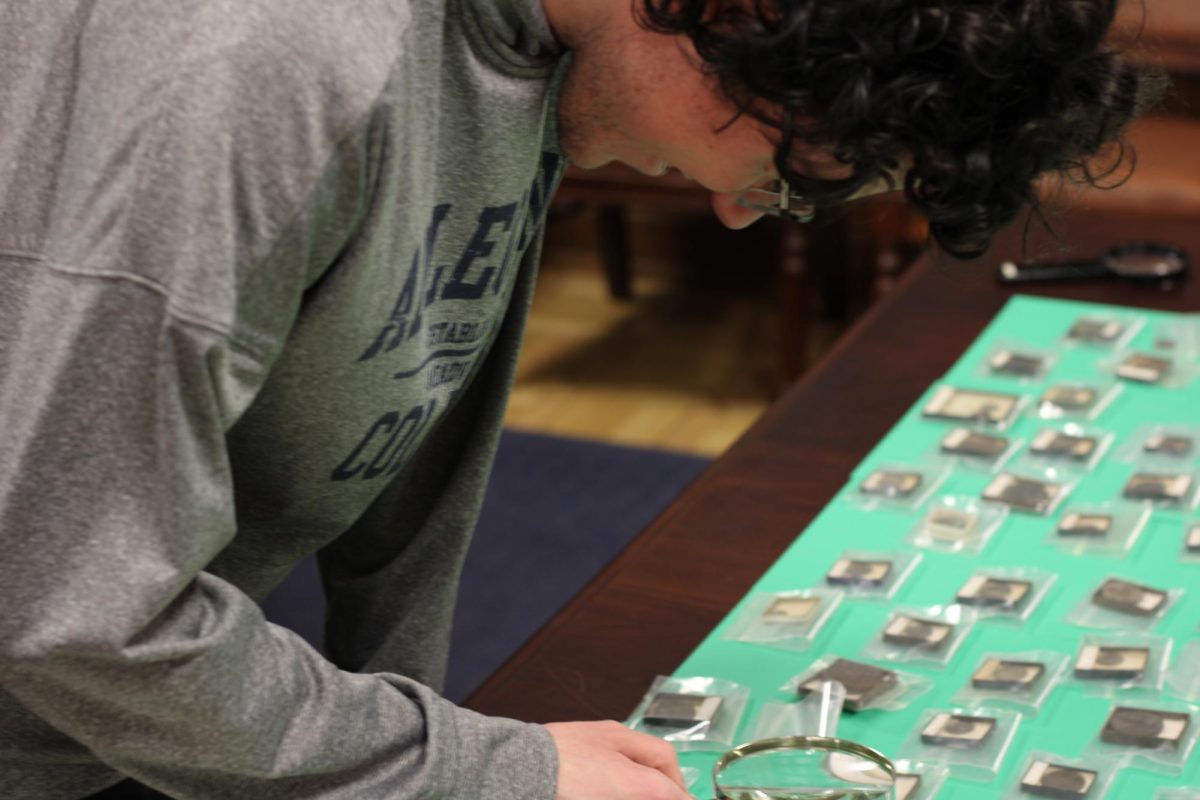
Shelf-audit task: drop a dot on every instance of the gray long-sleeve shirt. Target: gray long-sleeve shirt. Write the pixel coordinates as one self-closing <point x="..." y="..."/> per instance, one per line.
<point x="263" y="271"/>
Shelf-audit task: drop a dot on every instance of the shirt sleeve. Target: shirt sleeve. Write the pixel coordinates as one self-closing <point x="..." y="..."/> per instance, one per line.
<point x="116" y="390"/>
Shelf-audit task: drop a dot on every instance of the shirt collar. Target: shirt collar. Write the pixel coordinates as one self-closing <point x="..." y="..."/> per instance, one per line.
<point x="513" y="35"/>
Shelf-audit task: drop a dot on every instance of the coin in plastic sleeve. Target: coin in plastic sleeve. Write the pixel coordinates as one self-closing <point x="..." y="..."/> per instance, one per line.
<point x="913" y="632"/>
<point x="1085" y="525"/>
<point x="964" y="442"/>
<point x="1044" y="779"/>
<point x="1144" y="368"/>
<point x="996" y="673"/>
<point x="855" y="572"/>
<point x="791" y="609"/>
<point x="1129" y="598"/>
<point x="992" y="408"/>
<point x="864" y="682"/>
<point x="1037" y="497"/>
<point x="958" y="730"/>
<point x="1141" y="727"/>
<point x="674" y="710"/>
<point x="889" y="483"/>
<point x="1169" y="444"/>
<point x="1009" y="362"/>
<point x="1108" y="662"/>
<point x="982" y="590"/>
<point x="1152" y="486"/>
<point x="1091" y="329"/>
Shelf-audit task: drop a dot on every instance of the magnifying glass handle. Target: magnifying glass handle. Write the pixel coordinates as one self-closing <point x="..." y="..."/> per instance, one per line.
<point x="1014" y="272"/>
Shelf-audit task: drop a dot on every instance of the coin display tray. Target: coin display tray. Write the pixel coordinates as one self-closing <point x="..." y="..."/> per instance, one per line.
<point x="1071" y="715"/>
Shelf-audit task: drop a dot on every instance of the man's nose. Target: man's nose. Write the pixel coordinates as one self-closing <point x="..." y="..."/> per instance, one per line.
<point x="731" y="214"/>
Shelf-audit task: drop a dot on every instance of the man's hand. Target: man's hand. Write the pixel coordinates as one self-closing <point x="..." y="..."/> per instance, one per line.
<point x="607" y="761"/>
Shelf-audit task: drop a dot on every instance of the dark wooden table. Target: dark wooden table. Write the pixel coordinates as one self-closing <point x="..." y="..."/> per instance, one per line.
<point x="653" y="605"/>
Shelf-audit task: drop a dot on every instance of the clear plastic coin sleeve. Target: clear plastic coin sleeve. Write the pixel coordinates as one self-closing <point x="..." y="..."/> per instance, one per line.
<point x="1124" y="604"/>
<point x="1050" y="775"/>
<point x="1038" y="492"/>
<point x="1183" y="678"/>
<point x="1166" y="488"/>
<point x="1017" y="361"/>
<point x="900" y="486"/>
<point x="1069" y="447"/>
<point x="1021" y="681"/>
<point x="918" y="780"/>
<point x="1161" y="447"/>
<point x="1178" y="793"/>
<point x="1119" y="663"/>
<point x="1075" y="401"/>
<point x="972" y="741"/>
<point x="1107" y="529"/>
<point x="1158" y="736"/>
<point x="869" y="687"/>
<point x="1103" y="330"/>
<point x="957" y="524"/>
<point x="927" y="635"/>
<point x="994" y="411"/>
<point x="1005" y="594"/>
<point x="816" y="714"/>
<point x="872" y="574"/>
<point x="693" y="713"/>
<point x="1165" y="369"/>
<point x="1178" y="336"/>
<point x="977" y="450"/>
<point x="781" y="719"/>
<point x="1190" y="548"/>
<point x="788" y="620"/>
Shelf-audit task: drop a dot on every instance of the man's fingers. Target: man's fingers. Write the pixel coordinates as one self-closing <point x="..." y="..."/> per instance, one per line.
<point x="650" y="752"/>
<point x="665" y="787"/>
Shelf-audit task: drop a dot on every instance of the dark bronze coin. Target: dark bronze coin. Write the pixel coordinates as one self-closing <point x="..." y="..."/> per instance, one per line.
<point x="1066" y="779"/>
<point x="1011" y="672"/>
<point x="1123" y="593"/>
<point x="1170" y="445"/>
<point x="1028" y="495"/>
<point x="1070" y="397"/>
<point x="918" y="629"/>
<point x="863" y="682"/>
<point x="997" y="590"/>
<point x="958" y="726"/>
<point x="1136" y="723"/>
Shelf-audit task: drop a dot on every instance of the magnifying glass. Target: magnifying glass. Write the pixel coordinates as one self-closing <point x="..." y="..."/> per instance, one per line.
<point x="1142" y="262"/>
<point x="817" y="766"/>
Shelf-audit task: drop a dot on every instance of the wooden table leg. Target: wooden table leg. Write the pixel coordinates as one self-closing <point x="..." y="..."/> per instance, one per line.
<point x="614" y="250"/>
<point x="794" y="300"/>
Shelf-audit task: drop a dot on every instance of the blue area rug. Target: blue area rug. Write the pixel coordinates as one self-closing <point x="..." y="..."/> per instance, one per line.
<point x="557" y="511"/>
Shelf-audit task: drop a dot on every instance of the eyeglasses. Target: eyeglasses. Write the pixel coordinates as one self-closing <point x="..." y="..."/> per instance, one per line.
<point x="778" y="200"/>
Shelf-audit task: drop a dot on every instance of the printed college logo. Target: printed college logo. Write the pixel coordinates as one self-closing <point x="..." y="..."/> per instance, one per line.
<point x="451" y="347"/>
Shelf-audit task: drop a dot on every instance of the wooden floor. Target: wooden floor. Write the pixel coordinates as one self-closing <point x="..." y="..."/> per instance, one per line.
<point x="687" y="365"/>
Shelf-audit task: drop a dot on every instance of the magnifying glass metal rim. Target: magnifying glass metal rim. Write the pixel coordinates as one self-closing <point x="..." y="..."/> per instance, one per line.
<point x="1163" y="251"/>
<point x="831" y="744"/>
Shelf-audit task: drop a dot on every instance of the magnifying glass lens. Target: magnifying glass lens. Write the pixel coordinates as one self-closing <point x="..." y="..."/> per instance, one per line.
<point x="818" y="771"/>
<point x="1145" y="263"/>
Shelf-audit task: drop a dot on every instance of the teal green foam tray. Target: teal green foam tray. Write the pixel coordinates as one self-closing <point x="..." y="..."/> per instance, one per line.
<point x="1070" y="719"/>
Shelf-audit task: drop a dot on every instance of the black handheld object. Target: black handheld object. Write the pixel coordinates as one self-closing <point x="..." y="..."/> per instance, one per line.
<point x="1142" y="262"/>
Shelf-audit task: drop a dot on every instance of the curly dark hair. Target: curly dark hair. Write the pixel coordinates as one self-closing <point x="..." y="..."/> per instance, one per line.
<point x="977" y="98"/>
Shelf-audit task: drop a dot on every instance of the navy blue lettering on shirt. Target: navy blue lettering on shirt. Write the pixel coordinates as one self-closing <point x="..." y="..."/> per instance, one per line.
<point x="501" y="236"/>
